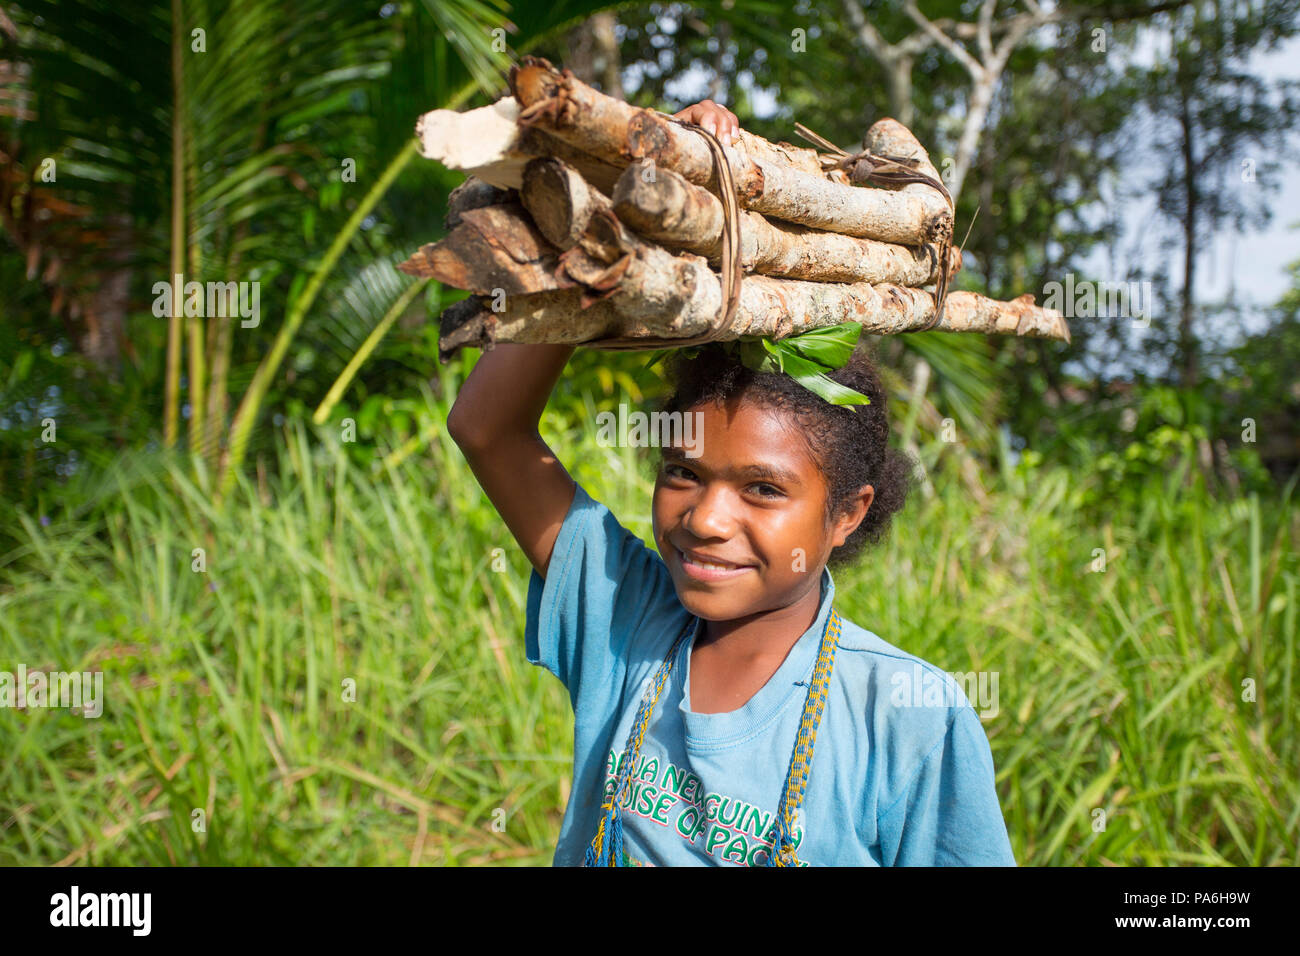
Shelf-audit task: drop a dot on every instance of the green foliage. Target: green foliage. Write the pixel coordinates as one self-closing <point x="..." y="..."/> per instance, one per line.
<point x="60" y="416"/>
<point x="364" y="550"/>
<point x="1123" y="690"/>
<point x="290" y="113"/>
<point x="1129" y="440"/>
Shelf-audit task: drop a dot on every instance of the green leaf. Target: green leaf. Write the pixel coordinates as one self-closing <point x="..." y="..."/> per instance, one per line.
<point x="655" y="357"/>
<point x="762" y="355"/>
<point x="811" y="376"/>
<point x="831" y="346"/>
<point x="22" y="366"/>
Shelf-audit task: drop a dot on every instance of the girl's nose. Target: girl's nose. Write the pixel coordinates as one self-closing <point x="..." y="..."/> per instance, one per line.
<point x="710" y="516"/>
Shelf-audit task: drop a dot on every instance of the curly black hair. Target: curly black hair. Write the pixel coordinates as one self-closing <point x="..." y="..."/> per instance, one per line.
<point x="851" y="448"/>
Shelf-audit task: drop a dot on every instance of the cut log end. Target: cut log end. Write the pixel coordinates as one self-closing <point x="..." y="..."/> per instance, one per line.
<point x="463" y="323"/>
<point x="559" y="201"/>
<point x="474" y="193"/>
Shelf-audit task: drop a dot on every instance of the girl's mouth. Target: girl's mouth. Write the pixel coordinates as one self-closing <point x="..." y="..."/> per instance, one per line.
<point x="702" y="570"/>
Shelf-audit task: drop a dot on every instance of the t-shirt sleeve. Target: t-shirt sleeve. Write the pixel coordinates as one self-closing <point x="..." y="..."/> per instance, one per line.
<point x="948" y="814"/>
<point x="602" y="583"/>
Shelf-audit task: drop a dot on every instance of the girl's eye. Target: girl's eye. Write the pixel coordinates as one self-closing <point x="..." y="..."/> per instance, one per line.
<point x="764" y="490"/>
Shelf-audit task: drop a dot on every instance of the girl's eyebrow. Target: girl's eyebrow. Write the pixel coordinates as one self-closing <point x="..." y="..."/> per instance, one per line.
<point x="763" y="471"/>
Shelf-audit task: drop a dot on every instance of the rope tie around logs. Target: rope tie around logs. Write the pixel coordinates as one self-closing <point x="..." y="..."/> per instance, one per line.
<point x="731" y="273"/>
<point x="865" y="166"/>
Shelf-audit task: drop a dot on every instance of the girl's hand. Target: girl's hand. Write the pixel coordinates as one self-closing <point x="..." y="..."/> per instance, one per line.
<point x="718" y="120"/>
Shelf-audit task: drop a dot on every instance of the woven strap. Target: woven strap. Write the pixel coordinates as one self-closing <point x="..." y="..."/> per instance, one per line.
<point x="606" y="847"/>
<point x="731" y="272"/>
<point x="796" y="779"/>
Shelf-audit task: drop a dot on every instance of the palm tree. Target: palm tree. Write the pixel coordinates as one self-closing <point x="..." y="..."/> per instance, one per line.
<point x="247" y="141"/>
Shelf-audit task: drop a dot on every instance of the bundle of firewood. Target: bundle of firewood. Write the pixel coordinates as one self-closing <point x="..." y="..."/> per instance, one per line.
<point x="585" y="220"/>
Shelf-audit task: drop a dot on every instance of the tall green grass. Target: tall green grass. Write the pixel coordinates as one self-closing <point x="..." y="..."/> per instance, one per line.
<point x="227" y="739"/>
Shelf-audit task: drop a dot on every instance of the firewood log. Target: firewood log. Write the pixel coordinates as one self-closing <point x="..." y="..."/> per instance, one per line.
<point x="617" y="133"/>
<point x="664" y="207"/>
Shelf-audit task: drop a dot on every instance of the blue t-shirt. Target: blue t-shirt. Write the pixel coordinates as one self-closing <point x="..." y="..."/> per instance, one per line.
<point x="891" y="783"/>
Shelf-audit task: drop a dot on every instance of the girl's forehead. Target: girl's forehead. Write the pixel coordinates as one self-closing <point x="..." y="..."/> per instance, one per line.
<point x="740" y="415"/>
<point x="744" y="440"/>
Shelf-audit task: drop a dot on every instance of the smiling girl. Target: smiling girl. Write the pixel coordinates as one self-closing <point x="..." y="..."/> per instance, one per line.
<point x="724" y="711"/>
<point x="693" y="675"/>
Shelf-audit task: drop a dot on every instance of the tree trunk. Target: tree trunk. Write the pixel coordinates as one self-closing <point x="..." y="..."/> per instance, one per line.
<point x="593" y="53"/>
<point x="1186" y="339"/>
<point x="106" y="310"/>
<point x="900" y="89"/>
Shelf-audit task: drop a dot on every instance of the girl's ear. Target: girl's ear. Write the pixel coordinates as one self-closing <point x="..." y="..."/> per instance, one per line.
<point x="848" y="522"/>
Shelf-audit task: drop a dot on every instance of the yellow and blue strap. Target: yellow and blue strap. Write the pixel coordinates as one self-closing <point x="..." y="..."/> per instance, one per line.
<point x="607" y="846"/>
<point x="796" y="779"/>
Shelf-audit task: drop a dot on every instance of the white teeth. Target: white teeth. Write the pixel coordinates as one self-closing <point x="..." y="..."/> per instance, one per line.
<point x="709" y="564"/>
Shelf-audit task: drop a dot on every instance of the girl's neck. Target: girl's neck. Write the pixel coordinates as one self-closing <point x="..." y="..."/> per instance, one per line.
<point x="765" y="634"/>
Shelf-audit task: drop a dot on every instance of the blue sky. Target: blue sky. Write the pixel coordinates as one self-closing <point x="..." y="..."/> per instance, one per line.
<point x="1257" y="261"/>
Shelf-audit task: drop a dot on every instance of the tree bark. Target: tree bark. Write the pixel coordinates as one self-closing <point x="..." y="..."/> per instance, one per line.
<point x="888" y="137"/>
<point x="593" y="53"/>
<point x="626" y="287"/>
<point x="106" y="310"/>
<point x="666" y="208"/>
<point x="473" y="193"/>
<point x="1186" y="337"/>
<point x="778" y="181"/>
<point x="495" y="250"/>
<point x="775" y="308"/>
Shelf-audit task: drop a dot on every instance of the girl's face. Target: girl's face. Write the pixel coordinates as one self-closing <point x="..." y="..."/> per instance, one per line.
<point x="754" y="501"/>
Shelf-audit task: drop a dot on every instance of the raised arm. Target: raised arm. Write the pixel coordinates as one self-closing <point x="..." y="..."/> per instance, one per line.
<point x="494" y="421"/>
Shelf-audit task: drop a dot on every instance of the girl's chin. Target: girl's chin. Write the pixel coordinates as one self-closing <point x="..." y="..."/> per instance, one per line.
<point x="710" y="606"/>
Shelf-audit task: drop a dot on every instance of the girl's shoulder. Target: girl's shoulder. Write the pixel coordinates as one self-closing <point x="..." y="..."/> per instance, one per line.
<point x="898" y="682"/>
<point x="907" y="708"/>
